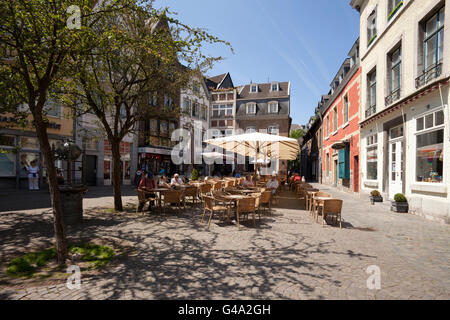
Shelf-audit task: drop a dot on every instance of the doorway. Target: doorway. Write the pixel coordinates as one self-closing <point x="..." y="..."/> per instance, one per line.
<point x="91" y="170"/>
<point x="396" y="145"/>
<point x="336" y="174"/>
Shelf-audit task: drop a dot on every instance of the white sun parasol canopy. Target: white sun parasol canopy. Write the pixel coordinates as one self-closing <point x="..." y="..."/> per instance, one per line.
<point x="259" y="145"/>
<point x="216" y="155"/>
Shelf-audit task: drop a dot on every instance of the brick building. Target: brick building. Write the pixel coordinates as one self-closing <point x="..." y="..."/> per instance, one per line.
<point x="340" y="151"/>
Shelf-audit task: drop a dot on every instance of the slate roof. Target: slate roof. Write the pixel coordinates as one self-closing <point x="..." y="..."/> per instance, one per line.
<point x="264" y="91"/>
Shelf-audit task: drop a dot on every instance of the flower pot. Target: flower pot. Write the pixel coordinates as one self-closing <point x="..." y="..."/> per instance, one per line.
<point x="376" y="199"/>
<point x="401" y="207"/>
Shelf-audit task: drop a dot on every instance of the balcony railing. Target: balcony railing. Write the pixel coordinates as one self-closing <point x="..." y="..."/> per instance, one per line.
<point x="429" y="75"/>
<point x="371" y="110"/>
<point x="391" y="98"/>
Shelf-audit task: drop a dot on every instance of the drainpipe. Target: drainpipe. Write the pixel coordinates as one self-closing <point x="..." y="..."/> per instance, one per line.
<point x="404" y="152"/>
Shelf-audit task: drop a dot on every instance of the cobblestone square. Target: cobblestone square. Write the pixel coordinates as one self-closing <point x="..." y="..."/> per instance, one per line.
<point x="285" y="256"/>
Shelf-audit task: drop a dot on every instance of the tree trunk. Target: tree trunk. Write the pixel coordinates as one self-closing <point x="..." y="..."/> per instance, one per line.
<point x="58" y="222"/>
<point x="115" y="149"/>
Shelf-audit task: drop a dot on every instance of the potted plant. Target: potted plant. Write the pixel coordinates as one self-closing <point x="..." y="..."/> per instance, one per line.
<point x="194" y="175"/>
<point x="375" y="196"/>
<point x="400" y="204"/>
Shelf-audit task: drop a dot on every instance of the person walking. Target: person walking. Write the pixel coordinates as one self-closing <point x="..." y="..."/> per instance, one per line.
<point x="33" y="176"/>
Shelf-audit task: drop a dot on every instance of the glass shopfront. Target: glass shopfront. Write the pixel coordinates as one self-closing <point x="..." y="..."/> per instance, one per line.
<point x="430" y="147"/>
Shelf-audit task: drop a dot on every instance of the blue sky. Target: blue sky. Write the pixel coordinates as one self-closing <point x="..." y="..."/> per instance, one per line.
<point x="302" y="41"/>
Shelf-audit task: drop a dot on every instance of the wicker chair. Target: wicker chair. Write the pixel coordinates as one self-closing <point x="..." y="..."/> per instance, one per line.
<point x="210" y="204"/>
<point x="332" y="207"/>
<point x="191" y="192"/>
<point x="205" y="189"/>
<point x="172" y="197"/>
<point x="266" y="200"/>
<point x="246" y="206"/>
<point x="315" y="206"/>
<point x="142" y="199"/>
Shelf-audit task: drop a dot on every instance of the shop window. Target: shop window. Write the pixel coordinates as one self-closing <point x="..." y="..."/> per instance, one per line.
<point x="430" y="148"/>
<point x="7" y="141"/>
<point x="29" y="143"/>
<point x="7" y="164"/>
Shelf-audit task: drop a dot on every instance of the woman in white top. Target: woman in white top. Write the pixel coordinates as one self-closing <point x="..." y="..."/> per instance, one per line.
<point x="33" y="176"/>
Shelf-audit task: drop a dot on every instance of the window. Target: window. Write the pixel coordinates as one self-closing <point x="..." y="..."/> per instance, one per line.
<point x="214" y="123"/>
<point x="168" y="101"/>
<point x="187" y="106"/>
<point x="335" y="119"/>
<point x="7" y="141"/>
<point x="222" y="110"/>
<point x="371" y="28"/>
<point x="253" y="88"/>
<point x="372" y="93"/>
<point x="396" y="67"/>
<point x="393" y="7"/>
<point x="372" y="157"/>
<point x="273" y="107"/>
<point x="29" y="143"/>
<point x="346" y="109"/>
<point x="328" y="126"/>
<point x="328" y="164"/>
<point x="153" y="99"/>
<point x="430" y="147"/>
<point x="52" y="108"/>
<point x="274" y="87"/>
<point x="273" y="130"/>
<point x="154" y="127"/>
<point x="204" y="113"/>
<point x="251" y="108"/>
<point x="434" y="40"/>
<point x="196" y="88"/>
<point x="250" y="129"/>
<point x="89" y="144"/>
<point x="163" y="128"/>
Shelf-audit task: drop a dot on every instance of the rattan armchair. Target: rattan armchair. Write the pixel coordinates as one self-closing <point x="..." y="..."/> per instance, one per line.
<point x="211" y="205"/>
<point x="332" y="208"/>
<point x="172" y="197"/>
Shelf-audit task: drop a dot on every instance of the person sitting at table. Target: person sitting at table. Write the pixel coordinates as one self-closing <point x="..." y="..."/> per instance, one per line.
<point x="176" y="180"/>
<point x="162" y="183"/>
<point x="248" y="182"/>
<point x="147" y="185"/>
<point x="272" y="184"/>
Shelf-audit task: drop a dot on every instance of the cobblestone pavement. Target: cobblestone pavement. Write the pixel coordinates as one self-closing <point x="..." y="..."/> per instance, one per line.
<point x="285" y="256"/>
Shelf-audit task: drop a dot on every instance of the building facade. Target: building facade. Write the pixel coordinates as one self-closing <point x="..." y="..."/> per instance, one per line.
<point x="340" y="149"/>
<point x="264" y="108"/>
<point x="404" y="97"/>
<point x="195" y="106"/>
<point x="20" y="145"/>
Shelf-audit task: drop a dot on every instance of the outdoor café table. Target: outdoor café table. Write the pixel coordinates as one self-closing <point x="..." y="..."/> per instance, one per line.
<point x="160" y="191"/>
<point x="234" y="198"/>
<point x="317" y="202"/>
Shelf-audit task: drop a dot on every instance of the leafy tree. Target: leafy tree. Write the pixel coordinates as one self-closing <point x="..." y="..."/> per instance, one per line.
<point x="133" y="55"/>
<point x="297" y="133"/>
<point x="36" y="48"/>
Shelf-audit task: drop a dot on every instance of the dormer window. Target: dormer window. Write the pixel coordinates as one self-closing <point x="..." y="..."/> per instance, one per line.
<point x="253" y="88"/>
<point x="273" y="107"/>
<point x="274" y="87"/>
<point x="251" y="108"/>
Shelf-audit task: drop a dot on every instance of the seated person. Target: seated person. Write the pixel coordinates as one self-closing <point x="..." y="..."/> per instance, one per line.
<point x="297" y="177"/>
<point x="248" y="182"/>
<point x="147" y="185"/>
<point x="273" y="184"/>
<point x="176" y="180"/>
<point x="162" y="183"/>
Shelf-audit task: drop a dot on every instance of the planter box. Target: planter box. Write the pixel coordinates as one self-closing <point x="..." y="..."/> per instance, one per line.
<point x="376" y="199"/>
<point x="401" y="207"/>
